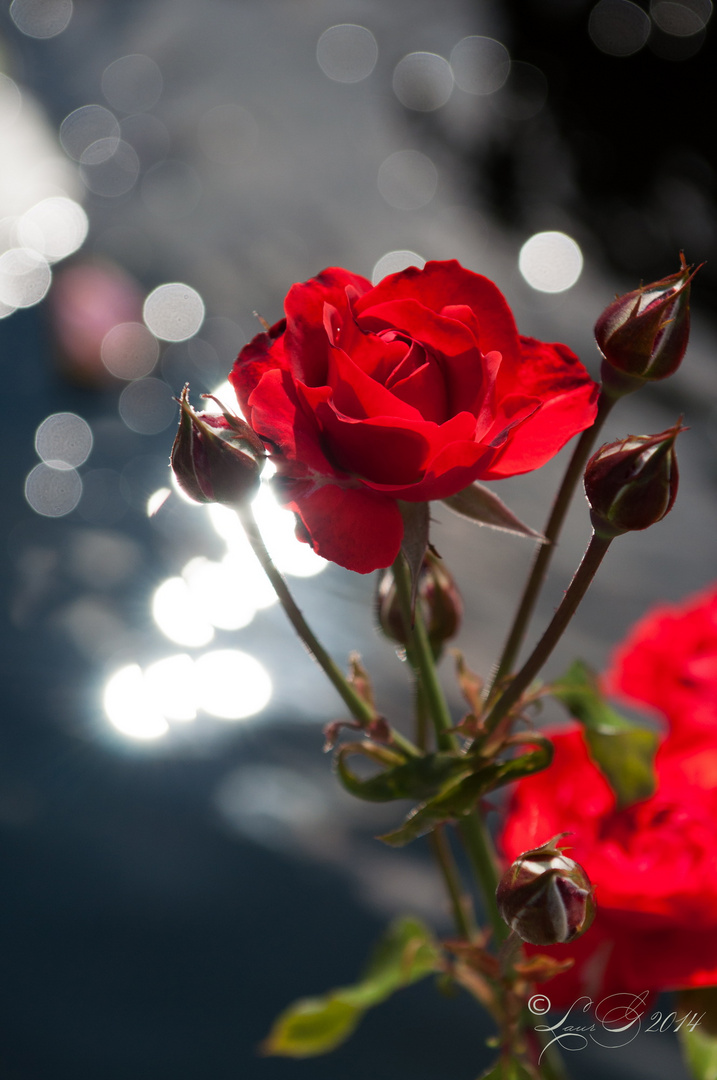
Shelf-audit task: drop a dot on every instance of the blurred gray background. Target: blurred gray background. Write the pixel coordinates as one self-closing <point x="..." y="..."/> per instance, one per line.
<point x="179" y="861"/>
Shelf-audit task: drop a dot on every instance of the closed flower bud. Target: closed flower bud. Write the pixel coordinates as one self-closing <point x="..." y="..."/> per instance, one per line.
<point x="441" y="604"/>
<point x="632" y="484"/>
<point x="215" y="458"/>
<point x="545" y="897"/>
<point x="643" y="334"/>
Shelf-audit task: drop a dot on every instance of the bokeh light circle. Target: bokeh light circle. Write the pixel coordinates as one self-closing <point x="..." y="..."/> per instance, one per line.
<point x="231" y="685"/>
<point x="25" y="277"/>
<point x="129" y="350"/>
<point x="683" y="19"/>
<point x="147" y="406"/>
<point x="64" y="440"/>
<point x="85" y="126"/>
<point x="407" y="180"/>
<point x="550" y="262"/>
<point x="109" y="167"/>
<point x="394" y="261"/>
<point x="174" y="312"/>
<point x="54" y="227"/>
<point x="53" y="492"/>
<point x="423" y="81"/>
<point x="618" y="27"/>
<point x="347" y="53"/>
<point x="480" y="65"/>
<point x="130" y="707"/>
<point x="132" y="83"/>
<point x="41" y="18"/>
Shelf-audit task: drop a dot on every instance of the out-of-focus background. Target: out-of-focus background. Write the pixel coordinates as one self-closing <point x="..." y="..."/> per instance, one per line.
<point x="178" y="862"/>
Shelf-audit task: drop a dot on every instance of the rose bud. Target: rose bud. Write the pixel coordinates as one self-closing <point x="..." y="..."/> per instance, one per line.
<point x="632" y="484"/>
<point x="643" y="334"/>
<point x="215" y="458"/>
<point x="438" y="595"/>
<point x="545" y="897"/>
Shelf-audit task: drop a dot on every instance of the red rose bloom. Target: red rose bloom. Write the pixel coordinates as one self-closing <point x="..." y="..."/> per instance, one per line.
<point x="653" y="865"/>
<point x="669" y="661"/>
<point x="409" y="390"/>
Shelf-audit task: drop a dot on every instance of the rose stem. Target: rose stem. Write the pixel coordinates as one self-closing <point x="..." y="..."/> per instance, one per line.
<point x="356" y="705"/>
<point x="461" y="904"/>
<point x="584" y="574"/>
<point x="545" y="551"/>
<point x="472" y="828"/>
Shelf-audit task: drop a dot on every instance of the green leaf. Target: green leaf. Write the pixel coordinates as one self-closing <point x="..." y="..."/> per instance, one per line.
<point x="460" y="795"/>
<point x="312" y="1026"/>
<point x="417" y="778"/>
<point x="456" y="800"/>
<point x="408" y="952"/>
<point x="481" y="505"/>
<point x="697" y="1030"/>
<point x="623" y="751"/>
<point x="699" y="1050"/>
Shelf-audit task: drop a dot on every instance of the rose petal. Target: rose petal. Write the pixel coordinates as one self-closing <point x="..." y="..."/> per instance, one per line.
<point x="444" y="284"/>
<point x="445" y="336"/>
<point x="279" y="417"/>
<point x="306" y="343"/>
<point x="425" y="390"/>
<point x="384" y="450"/>
<point x="554" y="376"/>
<point x="264" y="352"/>
<point x="358" y="529"/>
<point x="357" y="395"/>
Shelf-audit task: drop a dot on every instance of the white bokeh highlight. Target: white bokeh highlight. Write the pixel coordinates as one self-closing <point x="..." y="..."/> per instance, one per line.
<point x="480" y="65"/>
<point x="41" y="18"/>
<point x="618" y="27"/>
<point x="174" y="312"/>
<point x="407" y="180"/>
<point x="550" y="262"/>
<point x="423" y="81"/>
<point x="347" y="53"/>
<point x="395" y="261"/>
<point x="64" y="440"/>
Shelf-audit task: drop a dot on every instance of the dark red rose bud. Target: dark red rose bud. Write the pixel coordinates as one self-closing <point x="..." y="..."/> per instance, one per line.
<point x="643" y="334"/>
<point x="215" y="458"/>
<point x="632" y="484"/>
<point x="441" y="604"/>
<point x="546" y="897"/>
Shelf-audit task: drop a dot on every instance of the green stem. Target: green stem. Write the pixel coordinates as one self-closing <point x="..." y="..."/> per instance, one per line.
<point x="472" y="828"/>
<point x="552" y="530"/>
<point x="592" y="558"/>
<point x="461" y="906"/>
<point x="479" y="848"/>
<point x="356" y="705"/>
<point x="421" y="655"/>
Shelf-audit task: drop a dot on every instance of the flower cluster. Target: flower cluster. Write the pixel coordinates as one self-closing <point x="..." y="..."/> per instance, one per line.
<point x="654" y="863"/>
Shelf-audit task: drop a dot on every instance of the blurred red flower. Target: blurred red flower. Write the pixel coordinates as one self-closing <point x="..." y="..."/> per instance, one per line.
<point x="653" y="865"/>
<point x="409" y="390"/>
<point x="669" y="662"/>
